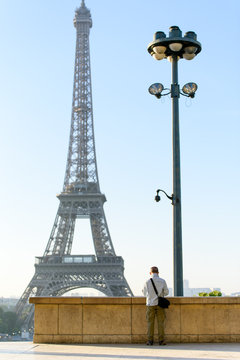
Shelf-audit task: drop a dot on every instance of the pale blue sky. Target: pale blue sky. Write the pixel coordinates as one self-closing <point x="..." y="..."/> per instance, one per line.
<point x="132" y="132"/>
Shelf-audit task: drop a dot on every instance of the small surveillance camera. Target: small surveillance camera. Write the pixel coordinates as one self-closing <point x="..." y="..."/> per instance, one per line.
<point x="157" y="198"/>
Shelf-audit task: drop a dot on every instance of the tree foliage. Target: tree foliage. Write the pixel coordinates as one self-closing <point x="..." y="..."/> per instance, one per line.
<point x="203" y="294"/>
<point x="8" y="322"/>
<point x="212" y="293"/>
<point x="215" y="293"/>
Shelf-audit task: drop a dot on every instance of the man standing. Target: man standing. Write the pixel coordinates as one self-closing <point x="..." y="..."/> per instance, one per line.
<point x="152" y="305"/>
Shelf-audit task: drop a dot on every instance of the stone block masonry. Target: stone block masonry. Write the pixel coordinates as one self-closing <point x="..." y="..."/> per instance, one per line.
<point x="79" y="320"/>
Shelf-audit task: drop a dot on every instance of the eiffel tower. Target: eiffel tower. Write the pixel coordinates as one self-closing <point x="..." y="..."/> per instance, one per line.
<point x="57" y="271"/>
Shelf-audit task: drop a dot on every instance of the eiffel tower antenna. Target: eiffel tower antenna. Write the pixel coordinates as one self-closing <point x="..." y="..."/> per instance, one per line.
<point x="58" y="271"/>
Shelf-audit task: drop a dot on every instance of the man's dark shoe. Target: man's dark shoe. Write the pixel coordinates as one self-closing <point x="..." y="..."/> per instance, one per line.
<point x="150" y="342"/>
<point x="162" y="342"/>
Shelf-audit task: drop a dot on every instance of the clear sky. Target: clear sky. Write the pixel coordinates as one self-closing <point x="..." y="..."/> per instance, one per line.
<point x="132" y="133"/>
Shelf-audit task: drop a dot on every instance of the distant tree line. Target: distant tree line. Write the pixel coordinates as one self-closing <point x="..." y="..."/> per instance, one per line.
<point x="8" y="322"/>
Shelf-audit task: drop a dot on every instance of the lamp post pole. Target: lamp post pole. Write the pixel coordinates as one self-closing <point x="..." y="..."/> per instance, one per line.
<point x="175" y="47"/>
<point x="177" y="216"/>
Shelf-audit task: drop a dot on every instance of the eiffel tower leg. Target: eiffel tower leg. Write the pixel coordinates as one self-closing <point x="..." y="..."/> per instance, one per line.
<point x="60" y="241"/>
<point x="114" y="279"/>
<point x="100" y="233"/>
<point x="24" y="310"/>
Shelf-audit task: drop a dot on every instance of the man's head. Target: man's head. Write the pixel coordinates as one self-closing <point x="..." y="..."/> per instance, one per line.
<point x="154" y="270"/>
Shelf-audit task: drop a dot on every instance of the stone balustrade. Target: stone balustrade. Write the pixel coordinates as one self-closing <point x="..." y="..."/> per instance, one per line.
<point x="122" y="320"/>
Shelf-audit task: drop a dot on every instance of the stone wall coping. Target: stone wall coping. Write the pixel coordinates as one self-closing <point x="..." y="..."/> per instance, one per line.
<point x="138" y="300"/>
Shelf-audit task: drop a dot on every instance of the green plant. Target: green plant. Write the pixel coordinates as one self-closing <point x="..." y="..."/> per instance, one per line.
<point x="202" y="294"/>
<point x="215" y="293"/>
<point x="212" y="293"/>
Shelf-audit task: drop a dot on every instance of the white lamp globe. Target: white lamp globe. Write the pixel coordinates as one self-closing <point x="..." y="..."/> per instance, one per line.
<point x="158" y="56"/>
<point x="189" y="56"/>
<point x="190" y="49"/>
<point x="175" y="47"/>
<point x="159" y="49"/>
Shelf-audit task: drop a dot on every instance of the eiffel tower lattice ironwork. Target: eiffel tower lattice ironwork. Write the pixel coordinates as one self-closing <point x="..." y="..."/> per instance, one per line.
<point x="57" y="271"/>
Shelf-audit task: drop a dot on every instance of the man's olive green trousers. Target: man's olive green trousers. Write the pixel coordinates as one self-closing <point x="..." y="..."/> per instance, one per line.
<point x="159" y="313"/>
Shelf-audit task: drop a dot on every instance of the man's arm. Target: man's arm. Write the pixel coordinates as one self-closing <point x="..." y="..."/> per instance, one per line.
<point x="165" y="289"/>
<point x="144" y="290"/>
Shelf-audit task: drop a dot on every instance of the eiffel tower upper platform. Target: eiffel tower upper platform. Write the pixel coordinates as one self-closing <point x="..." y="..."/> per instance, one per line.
<point x="58" y="271"/>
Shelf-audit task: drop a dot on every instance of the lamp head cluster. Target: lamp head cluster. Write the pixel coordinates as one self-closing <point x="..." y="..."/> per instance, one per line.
<point x="188" y="90"/>
<point x="186" y="46"/>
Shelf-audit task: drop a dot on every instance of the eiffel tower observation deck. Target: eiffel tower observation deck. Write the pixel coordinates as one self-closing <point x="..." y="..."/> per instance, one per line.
<point x="58" y="271"/>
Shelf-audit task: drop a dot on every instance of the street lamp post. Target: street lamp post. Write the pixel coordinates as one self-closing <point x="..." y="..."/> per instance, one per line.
<point x="175" y="47"/>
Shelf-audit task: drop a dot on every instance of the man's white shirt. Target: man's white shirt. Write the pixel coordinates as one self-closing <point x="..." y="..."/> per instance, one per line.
<point x="149" y="292"/>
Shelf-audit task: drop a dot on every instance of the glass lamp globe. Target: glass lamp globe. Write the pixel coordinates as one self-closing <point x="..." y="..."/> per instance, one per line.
<point x="175" y="47"/>
<point x="190" y="49"/>
<point x="170" y="58"/>
<point x="188" y="56"/>
<point x="159" y="49"/>
<point x="156" y="89"/>
<point x="190" y="88"/>
<point x="158" y="56"/>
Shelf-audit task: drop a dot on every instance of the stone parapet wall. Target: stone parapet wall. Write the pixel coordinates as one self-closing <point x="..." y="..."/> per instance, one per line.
<point x="122" y="320"/>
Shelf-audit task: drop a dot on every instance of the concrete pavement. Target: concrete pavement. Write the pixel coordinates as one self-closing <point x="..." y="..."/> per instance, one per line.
<point x="30" y="351"/>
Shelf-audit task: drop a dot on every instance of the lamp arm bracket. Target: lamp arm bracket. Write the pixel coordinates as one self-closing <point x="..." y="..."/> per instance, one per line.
<point x="161" y="94"/>
<point x="169" y="197"/>
<point x="184" y="94"/>
<point x="189" y="95"/>
<point x="169" y="92"/>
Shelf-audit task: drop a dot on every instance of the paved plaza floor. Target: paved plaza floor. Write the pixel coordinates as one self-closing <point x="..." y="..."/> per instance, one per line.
<point x="30" y="351"/>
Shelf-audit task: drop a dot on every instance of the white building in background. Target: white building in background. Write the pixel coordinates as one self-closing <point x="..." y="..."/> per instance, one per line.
<point x="195" y="291"/>
<point x="189" y="292"/>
